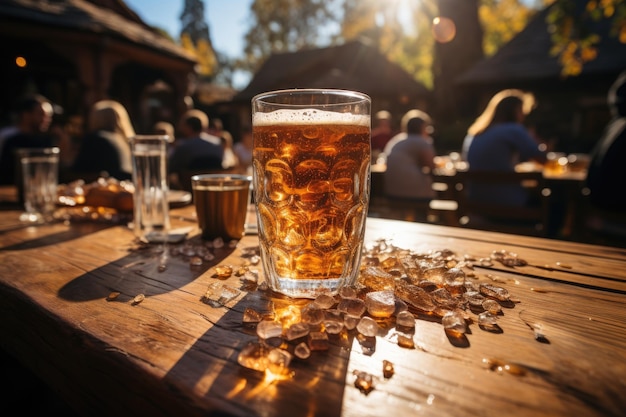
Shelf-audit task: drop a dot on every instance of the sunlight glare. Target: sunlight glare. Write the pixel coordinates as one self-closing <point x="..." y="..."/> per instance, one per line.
<point x="403" y="11"/>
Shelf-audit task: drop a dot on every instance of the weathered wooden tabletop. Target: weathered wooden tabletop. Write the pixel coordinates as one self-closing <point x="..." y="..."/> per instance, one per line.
<point x="174" y="355"/>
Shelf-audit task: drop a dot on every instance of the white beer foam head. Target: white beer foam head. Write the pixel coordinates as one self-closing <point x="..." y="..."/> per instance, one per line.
<point x="308" y="116"/>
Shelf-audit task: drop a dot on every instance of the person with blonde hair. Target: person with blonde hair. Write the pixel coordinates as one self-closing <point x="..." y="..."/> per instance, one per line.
<point x="105" y="150"/>
<point x="497" y="141"/>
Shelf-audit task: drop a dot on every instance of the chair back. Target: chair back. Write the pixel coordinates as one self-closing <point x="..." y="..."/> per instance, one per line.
<point x="531" y="219"/>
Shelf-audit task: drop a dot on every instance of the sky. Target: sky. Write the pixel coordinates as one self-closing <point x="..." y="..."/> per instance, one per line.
<point x="226" y="20"/>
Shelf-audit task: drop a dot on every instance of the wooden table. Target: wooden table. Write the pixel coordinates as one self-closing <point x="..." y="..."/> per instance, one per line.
<point x="173" y="355"/>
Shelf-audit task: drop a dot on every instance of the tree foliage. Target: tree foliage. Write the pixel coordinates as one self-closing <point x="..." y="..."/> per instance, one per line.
<point x="501" y="21"/>
<point x="195" y="38"/>
<point x="404" y="30"/>
<point x="284" y="26"/>
<point x="401" y="30"/>
<point x="574" y="43"/>
<point x="408" y="46"/>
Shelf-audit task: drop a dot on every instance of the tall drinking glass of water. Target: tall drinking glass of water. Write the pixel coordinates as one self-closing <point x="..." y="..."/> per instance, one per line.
<point x="38" y="182"/>
<point x="151" y="219"/>
<point x="311" y="173"/>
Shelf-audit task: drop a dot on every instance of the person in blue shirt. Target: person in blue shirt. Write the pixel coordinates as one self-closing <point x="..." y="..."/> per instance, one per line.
<point x="497" y="141"/>
<point x="195" y="151"/>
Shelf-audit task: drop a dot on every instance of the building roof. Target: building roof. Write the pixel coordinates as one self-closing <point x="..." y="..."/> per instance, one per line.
<point x="102" y="17"/>
<point x="353" y="65"/>
<point x="527" y="56"/>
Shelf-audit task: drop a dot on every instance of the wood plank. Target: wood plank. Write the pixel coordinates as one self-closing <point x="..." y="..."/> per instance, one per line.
<point x="172" y="354"/>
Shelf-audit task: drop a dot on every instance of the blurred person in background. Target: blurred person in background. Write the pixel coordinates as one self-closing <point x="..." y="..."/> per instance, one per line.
<point x="410" y="159"/>
<point x="216" y="128"/>
<point x="381" y="133"/>
<point x="163" y="128"/>
<point x="195" y="150"/>
<point x="33" y="116"/>
<point x="497" y="141"/>
<point x="606" y="177"/>
<point x="167" y="129"/>
<point x="243" y="150"/>
<point x="105" y="149"/>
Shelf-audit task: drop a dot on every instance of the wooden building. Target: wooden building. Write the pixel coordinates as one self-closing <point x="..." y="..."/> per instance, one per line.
<point x="572" y="110"/>
<point x="76" y="52"/>
<point x="353" y="66"/>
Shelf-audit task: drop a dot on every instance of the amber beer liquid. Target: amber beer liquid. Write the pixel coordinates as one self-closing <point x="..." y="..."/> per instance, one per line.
<point x="311" y="179"/>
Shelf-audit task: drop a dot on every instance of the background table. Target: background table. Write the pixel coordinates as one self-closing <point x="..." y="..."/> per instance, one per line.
<point x="172" y="354"/>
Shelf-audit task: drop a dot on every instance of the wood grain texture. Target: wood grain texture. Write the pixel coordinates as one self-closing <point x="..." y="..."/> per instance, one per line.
<point x="173" y="355"/>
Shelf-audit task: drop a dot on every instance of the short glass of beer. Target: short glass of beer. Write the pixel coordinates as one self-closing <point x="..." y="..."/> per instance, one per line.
<point x="311" y="180"/>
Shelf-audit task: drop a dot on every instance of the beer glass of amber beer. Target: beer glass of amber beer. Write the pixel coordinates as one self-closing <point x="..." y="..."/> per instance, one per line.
<point x="311" y="168"/>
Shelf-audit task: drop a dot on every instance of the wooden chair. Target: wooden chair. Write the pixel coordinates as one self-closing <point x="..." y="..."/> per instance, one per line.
<point x="440" y="210"/>
<point x="387" y="207"/>
<point x="525" y="220"/>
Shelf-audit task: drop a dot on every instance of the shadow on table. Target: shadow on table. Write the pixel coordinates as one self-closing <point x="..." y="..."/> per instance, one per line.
<point x="315" y="387"/>
<point x="54" y="238"/>
<point x="147" y="269"/>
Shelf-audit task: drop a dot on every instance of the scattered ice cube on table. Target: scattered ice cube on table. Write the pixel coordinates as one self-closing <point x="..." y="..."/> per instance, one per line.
<point x="454" y="321"/>
<point x="254" y="356"/>
<point x="492" y="306"/>
<point x="380" y="303"/>
<point x="267" y="329"/>
<point x="367" y="326"/>
<point x="302" y="351"/>
<point x="494" y="291"/>
<point x="324" y="301"/>
<point x="296" y="331"/>
<point x="487" y="320"/>
<point x="352" y="306"/>
<point x="405" y="319"/>
<point x="318" y="341"/>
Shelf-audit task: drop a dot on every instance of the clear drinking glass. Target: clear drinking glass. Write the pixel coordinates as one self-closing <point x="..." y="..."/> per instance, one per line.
<point x="151" y="219"/>
<point x="311" y="175"/>
<point x="221" y="202"/>
<point x="38" y="181"/>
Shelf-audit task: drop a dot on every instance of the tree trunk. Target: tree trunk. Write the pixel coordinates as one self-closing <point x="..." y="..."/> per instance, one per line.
<point x="455" y="57"/>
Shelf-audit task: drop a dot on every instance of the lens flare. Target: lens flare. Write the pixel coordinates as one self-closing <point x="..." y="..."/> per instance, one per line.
<point x="443" y="29"/>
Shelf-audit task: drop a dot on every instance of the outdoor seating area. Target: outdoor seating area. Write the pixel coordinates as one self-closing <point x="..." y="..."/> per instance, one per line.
<point x="561" y="207"/>
<point x="321" y="208"/>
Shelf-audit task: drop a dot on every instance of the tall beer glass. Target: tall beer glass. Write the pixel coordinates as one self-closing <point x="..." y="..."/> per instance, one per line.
<point x="311" y="173"/>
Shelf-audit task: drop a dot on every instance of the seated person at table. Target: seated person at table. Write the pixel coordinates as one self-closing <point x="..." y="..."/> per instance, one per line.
<point x="195" y="151"/>
<point x="410" y="159"/>
<point x="34" y="115"/>
<point x="497" y="141"/>
<point x="105" y="150"/>
<point x="606" y="177"/>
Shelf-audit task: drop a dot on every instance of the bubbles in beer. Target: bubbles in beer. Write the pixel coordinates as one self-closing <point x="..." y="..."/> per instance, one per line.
<point x="311" y="188"/>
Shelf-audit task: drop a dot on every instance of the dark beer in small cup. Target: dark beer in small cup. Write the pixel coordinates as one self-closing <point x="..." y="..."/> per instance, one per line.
<point x="221" y="202"/>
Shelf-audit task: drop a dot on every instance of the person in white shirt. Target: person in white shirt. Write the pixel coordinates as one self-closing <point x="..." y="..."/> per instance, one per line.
<point x="410" y="159"/>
